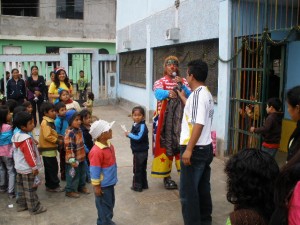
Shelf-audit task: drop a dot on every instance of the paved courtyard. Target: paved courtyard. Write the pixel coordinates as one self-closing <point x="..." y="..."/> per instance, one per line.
<point x="155" y="206"/>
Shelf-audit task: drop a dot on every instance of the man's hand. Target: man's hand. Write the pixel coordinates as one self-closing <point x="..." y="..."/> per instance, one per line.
<point x="186" y="157"/>
<point x="35" y="172"/>
<point x="172" y="94"/>
<point x="252" y="129"/>
<point x="98" y="191"/>
<point x="178" y="79"/>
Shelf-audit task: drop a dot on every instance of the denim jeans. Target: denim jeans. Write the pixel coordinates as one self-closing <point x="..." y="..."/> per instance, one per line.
<point x="271" y="151"/>
<point x="7" y="170"/>
<point x="195" y="193"/>
<point x="105" y="205"/>
<point x="76" y="183"/>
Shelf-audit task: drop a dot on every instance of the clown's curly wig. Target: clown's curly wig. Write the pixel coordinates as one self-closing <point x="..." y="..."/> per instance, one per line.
<point x="251" y="174"/>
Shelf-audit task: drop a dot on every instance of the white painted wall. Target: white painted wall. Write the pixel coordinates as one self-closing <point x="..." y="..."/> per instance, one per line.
<point x="132" y="11"/>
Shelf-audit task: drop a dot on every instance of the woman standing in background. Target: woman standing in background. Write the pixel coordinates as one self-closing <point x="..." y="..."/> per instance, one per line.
<point x="36" y="92"/>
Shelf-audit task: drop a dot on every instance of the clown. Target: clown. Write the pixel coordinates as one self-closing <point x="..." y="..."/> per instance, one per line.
<point x="167" y="121"/>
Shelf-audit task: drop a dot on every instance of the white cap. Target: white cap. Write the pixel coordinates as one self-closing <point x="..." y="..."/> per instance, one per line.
<point x="99" y="127"/>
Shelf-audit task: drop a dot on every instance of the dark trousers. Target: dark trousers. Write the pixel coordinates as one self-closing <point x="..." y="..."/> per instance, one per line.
<point x="140" y="170"/>
<point x="62" y="162"/>
<point x="195" y="193"/>
<point x="51" y="172"/>
<point x="76" y="183"/>
<point x="36" y="107"/>
<point x="105" y="206"/>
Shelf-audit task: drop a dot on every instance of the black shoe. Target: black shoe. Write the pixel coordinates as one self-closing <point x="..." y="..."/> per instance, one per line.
<point x="170" y="184"/>
<point x="136" y="189"/>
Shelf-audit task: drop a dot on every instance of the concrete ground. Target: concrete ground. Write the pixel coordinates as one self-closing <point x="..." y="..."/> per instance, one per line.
<point x="155" y="206"/>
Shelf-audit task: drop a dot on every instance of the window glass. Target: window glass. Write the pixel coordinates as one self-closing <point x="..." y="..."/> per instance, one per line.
<point x="69" y="9"/>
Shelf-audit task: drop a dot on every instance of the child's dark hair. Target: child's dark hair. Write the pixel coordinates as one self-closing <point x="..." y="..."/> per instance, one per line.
<point x="11" y="104"/>
<point x="251" y="174"/>
<point x="138" y="108"/>
<point x="275" y="103"/>
<point x="21" y="119"/>
<point x="84" y="113"/>
<point x="27" y="104"/>
<point x="59" y="105"/>
<point x="3" y="115"/>
<point x="46" y="106"/>
<point x="91" y="96"/>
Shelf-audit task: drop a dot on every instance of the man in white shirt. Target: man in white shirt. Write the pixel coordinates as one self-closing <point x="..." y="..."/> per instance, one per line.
<point x="196" y="148"/>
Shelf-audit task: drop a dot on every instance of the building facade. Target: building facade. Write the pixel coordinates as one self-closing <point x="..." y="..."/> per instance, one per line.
<point x="241" y="40"/>
<point x="47" y="32"/>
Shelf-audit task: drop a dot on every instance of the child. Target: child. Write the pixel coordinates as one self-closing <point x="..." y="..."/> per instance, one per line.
<point x="61" y="124"/>
<point x="64" y="97"/>
<point x="251" y="175"/>
<point x="28" y="106"/>
<point x="82" y="85"/>
<point x="103" y="170"/>
<point x="89" y="103"/>
<point x="139" y="143"/>
<point x="6" y="150"/>
<point x="271" y="130"/>
<point x="48" y="142"/>
<point x="27" y="163"/>
<point x="87" y="138"/>
<point x="75" y="156"/>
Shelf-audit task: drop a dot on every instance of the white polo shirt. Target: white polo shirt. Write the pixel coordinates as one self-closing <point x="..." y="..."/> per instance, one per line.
<point x="199" y="108"/>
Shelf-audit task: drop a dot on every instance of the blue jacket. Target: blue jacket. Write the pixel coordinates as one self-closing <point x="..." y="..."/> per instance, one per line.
<point x="61" y="124"/>
<point x="139" y="141"/>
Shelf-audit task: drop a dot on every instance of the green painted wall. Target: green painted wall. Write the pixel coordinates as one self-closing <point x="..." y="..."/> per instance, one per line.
<point x="39" y="47"/>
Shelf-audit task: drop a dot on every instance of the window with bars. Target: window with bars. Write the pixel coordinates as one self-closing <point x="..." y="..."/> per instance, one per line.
<point x="207" y="50"/>
<point x="20" y="7"/>
<point x="69" y="9"/>
<point x="133" y="68"/>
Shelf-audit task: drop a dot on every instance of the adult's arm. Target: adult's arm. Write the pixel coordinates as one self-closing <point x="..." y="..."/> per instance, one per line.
<point x="23" y="89"/>
<point x="52" y="90"/>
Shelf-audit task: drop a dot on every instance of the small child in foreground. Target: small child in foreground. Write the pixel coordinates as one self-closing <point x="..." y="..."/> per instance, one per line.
<point x="103" y="170"/>
<point x="48" y="146"/>
<point x="139" y="143"/>
<point x="75" y="157"/>
<point x="27" y="163"/>
<point x="61" y="124"/>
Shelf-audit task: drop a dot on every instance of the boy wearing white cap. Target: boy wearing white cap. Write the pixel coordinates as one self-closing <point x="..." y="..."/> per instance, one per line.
<point x="103" y="169"/>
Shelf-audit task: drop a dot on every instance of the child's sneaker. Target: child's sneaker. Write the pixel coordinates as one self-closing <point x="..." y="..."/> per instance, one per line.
<point x="58" y="189"/>
<point x="21" y="208"/>
<point x="72" y="194"/>
<point x="40" y="210"/>
<point x="85" y="190"/>
<point x="11" y="195"/>
<point x="3" y="189"/>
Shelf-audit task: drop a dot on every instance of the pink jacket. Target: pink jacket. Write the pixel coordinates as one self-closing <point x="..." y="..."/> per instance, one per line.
<point x="294" y="206"/>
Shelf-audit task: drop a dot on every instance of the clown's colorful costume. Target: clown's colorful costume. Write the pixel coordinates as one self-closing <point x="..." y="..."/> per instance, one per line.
<point x="167" y="110"/>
